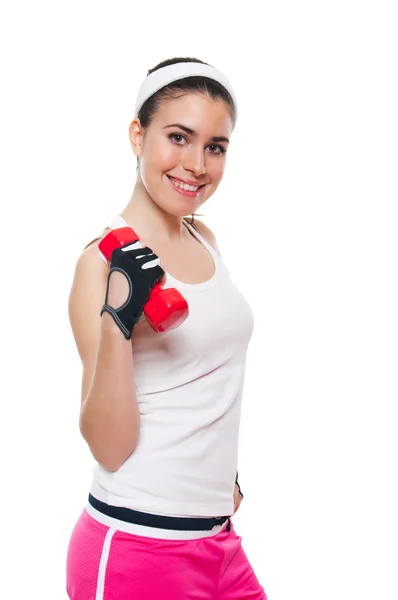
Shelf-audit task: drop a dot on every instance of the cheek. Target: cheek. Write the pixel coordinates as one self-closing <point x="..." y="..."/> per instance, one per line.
<point x="161" y="155"/>
<point x="216" y="167"/>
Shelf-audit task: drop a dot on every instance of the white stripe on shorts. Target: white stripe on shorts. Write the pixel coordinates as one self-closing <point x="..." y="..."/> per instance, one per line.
<point x="151" y="532"/>
<point x="103" y="563"/>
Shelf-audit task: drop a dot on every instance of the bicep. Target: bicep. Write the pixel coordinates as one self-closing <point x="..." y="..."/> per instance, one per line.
<point x="85" y="303"/>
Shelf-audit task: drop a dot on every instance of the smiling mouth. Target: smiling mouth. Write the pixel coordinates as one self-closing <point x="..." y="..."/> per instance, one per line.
<point x="185" y="187"/>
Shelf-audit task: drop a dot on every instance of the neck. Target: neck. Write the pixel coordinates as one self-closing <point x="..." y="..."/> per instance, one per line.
<point x="148" y="219"/>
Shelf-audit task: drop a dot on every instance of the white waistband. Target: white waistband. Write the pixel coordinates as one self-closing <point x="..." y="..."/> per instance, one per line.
<point x="151" y="532"/>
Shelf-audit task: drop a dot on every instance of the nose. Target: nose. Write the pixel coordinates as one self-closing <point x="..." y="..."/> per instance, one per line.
<point x="194" y="160"/>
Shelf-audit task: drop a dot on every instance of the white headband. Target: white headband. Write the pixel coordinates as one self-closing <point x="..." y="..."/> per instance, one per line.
<point x="162" y="77"/>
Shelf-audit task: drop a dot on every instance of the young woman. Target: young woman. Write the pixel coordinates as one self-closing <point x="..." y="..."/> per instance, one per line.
<point x="160" y="411"/>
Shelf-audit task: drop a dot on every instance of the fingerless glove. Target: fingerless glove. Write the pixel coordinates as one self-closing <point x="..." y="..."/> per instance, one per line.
<point x="134" y="262"/>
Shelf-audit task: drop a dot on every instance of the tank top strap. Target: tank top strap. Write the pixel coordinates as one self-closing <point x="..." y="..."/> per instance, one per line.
<point x="117" y="223"/>
<point x="202" y="240"/>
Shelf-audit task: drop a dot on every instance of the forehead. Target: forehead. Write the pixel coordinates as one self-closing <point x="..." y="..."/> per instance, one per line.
<point x="197" y="111"/>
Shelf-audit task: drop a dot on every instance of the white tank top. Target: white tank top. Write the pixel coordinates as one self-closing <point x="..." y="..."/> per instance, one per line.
<point x="189" y="384"/>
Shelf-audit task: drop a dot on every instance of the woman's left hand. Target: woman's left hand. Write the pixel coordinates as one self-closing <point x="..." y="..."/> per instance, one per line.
<point x="237" y="498"/>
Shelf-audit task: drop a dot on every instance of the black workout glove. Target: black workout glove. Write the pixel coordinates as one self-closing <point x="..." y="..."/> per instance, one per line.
<point x="131" y="260"/>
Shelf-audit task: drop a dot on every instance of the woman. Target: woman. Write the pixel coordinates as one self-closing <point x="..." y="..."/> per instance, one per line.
<point x="160" y="411"/>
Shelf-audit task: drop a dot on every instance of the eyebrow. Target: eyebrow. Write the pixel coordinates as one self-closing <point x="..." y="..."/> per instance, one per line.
<point x="216" y="138"/>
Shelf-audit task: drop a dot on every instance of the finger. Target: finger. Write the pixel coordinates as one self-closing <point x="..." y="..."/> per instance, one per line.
<point x="151" y="263"/>
<point x="157" y="273"/>
<point x="133" y="246"/>
<point x="146" y="260"/>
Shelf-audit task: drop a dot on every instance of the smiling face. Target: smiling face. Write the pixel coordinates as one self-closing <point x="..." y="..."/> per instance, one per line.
<point x="182" y="153"/>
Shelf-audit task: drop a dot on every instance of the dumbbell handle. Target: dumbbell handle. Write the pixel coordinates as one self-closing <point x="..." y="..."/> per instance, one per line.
<point x="163" y="313"/>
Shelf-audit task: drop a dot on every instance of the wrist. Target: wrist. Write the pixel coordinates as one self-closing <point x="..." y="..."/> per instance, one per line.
<point x="110" y="328"/>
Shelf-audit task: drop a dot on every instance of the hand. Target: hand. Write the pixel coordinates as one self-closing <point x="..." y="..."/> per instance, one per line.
<point x="133" y="273"/>
<point x="238" y="497"/>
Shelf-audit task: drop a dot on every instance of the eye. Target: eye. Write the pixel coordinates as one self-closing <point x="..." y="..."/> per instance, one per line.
<point x="177" y="138"/>
<point x="216" y="149"/>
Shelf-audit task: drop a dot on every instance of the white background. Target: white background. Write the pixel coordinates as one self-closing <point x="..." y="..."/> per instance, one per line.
<point x="306" y="219"/>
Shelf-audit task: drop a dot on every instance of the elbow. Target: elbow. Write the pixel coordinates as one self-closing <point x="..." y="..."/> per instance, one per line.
<point x="110" y="454"/>
<point x="111" y="458"/>
<point x="107" y="464"/>
<point x="113" y="461"/>
<point x="110" y="438"/>
<point x="110" y="468"/>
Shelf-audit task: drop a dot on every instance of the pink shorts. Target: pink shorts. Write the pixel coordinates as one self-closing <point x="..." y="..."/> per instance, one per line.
<point x="108" y="563"/>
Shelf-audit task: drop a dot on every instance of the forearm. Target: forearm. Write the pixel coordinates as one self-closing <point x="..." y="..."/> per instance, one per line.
<point x="109" y="418"/>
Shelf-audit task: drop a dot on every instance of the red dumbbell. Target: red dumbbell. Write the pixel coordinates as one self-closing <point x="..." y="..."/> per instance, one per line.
<point x="166" y="309"/>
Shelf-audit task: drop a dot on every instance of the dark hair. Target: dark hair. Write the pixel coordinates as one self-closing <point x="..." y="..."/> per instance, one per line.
<point x="200" y="84"/>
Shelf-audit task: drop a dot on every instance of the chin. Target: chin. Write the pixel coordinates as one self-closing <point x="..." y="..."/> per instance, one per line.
<point x="186" y="212"/>
<point x="180" y="209"/>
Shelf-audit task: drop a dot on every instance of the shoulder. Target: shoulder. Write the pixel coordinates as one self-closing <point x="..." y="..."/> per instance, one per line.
<point x="208" y="234"/>
<point x="90" y="257"/>
<point x="90" y="273"/>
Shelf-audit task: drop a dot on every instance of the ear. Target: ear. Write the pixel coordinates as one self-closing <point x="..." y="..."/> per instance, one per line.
<point x="136" y="133"/>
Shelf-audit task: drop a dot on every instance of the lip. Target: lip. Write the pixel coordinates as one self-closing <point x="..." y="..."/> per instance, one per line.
<point x="186" y="193"/>
<point x="187" y="181"/>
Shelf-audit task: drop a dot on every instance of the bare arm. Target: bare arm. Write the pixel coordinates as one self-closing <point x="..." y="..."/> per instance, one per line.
<point x="109" y="416"/>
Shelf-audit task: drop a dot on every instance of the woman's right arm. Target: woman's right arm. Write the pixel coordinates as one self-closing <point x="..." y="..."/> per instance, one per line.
<point x="109" y="415"/>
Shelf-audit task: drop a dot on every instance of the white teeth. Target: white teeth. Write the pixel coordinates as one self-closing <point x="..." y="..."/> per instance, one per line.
<point x="185" y="186"/>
